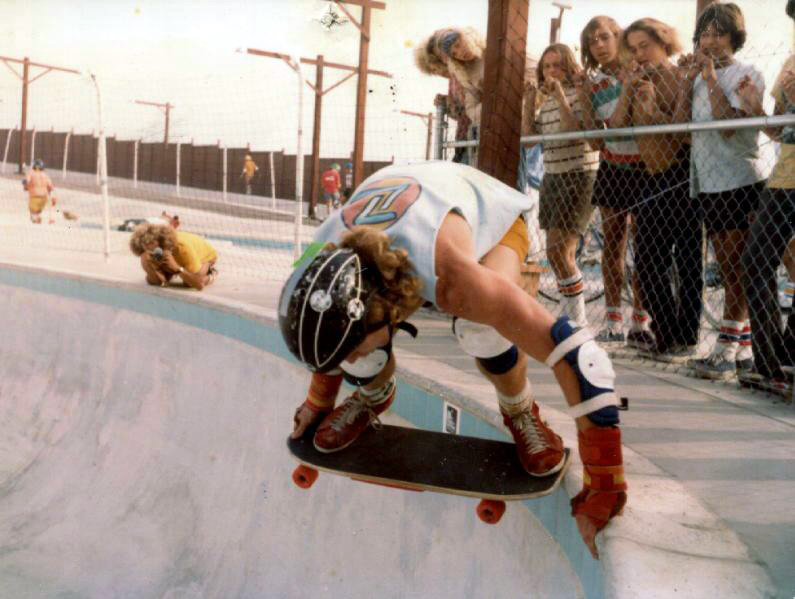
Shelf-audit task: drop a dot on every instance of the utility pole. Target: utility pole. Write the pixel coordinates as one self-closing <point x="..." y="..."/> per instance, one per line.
<point x="428" y="120"/>
<point x="320" y="63"/>
<point x="361" y="86"/>
<point x="557" y="22"/>
<point x="26" y="81"/>
<point x="501" y="114"/>
<point x="166" y="108"/>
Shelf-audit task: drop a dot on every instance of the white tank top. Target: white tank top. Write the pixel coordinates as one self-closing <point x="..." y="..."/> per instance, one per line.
<point x="409" y="203"/>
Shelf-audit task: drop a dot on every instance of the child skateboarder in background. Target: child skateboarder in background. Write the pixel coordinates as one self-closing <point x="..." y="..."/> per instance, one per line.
<point x="39" y="187"/>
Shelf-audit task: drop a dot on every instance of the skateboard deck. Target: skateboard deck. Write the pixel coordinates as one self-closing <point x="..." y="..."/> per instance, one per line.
<point x="421" y="460"/>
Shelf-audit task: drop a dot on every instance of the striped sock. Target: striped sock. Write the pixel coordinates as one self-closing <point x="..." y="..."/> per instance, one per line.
<point x="572" y="300"/>
<point x="640" y="320"/>
<point x="789" y="294"/>
<point x="378" y="396"/>
<point x="728" y="339"/>
<point x="744" y="351"/>
<point x="615" y="319"/>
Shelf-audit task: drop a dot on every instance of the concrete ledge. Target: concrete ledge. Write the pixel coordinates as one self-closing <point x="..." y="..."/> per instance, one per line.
<point x="667" y="544"/>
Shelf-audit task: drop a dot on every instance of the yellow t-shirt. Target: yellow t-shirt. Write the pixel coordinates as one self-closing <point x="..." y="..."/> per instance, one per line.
<point x="192" y="251"/>
<point x="250" y="168"/>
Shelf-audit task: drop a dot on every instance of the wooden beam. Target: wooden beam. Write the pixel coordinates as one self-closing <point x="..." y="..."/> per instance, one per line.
<point x="353" y="20"/>
<point x="419" y="114"/>
<point x="10" y="68"/>
<point x="503" y="85"/>
<point x="36" y="64"/>
<point x="42" y="74"/>
<point x="340" y="82"/>
<point x="312" y="61"/>
<point x="366" y="3"/>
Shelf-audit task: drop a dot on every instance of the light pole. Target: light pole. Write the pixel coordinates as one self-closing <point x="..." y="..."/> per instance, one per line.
<point x="557" y="22"/>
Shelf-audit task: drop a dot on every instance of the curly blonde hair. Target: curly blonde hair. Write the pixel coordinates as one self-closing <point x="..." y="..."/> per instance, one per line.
<point x="400" y="295"/>
<point x="148" y="236"/>
<point x="431" y="58"/>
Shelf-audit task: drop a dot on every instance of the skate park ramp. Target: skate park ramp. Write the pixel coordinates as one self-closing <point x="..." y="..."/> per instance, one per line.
<point x="142" y="454"/>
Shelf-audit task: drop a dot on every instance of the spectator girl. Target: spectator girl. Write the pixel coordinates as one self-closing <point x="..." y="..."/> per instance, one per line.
<point x="619" y="176"/>
<point x="727" y="175"/>
<point x="569" y="171"/>
<point x="771" y="239"/>
<point x="668" y="230"/>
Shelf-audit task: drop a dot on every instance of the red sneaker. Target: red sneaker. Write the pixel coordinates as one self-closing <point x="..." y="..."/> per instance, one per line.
<point x="540" y="449"/>
<point x="349" y="420"/>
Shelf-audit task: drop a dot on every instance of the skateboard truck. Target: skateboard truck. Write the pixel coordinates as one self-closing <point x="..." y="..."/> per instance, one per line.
<point x="489" y="511"/>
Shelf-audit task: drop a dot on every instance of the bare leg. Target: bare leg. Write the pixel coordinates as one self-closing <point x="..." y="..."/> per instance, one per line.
<point x="788" y="258"/>
<point x="729" y="246"/>
<point x="504" y="260"/>
<point x="614" y="227"/>
<point x="472" y="291"/>
<point x="562" y="252"/>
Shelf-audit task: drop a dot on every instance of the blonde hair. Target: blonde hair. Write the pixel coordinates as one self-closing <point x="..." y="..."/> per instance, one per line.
<point x="146" y="236"/>
<point x="431" y="58"/>
<point x="570" y="66"/>
<point x="662" y="34"/>
<point x="588" y="60"/>
<point x="399" y="295"/>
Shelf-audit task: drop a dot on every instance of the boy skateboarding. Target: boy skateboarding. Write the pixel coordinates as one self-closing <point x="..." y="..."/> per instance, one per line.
<point x="449" y="234"/>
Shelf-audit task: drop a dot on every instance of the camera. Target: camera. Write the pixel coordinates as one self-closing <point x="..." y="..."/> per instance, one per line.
<point x="157" y="254"/>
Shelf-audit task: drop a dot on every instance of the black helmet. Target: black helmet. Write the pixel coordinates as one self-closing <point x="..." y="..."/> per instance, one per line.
<point x="791" y="9"/>
<point x="38" y="164"/>
<point x="323" y="307"/>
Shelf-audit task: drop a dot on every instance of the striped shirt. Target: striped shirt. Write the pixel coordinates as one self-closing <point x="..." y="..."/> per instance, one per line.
<point x="564" y="156"/>
<point x="606" y="90"/>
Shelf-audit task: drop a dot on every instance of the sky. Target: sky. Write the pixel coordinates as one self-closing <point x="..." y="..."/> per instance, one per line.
<point x="188" y="53"/>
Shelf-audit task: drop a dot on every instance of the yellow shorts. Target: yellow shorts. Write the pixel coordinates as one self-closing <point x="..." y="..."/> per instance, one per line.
<point x="516" y="238"/>
<point x="36" y="204"/>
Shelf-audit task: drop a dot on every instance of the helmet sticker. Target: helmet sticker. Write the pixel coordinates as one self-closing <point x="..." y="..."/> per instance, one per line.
<point x="355" y="309"/>
<point x="320" y="300"/>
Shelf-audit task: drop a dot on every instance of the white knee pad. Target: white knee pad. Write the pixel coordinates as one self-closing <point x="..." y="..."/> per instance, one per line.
<point x="594" y="371"/>
<point x="479" y="340"/>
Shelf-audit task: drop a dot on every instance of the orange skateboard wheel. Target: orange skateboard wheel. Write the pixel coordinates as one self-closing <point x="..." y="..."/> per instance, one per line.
<point x="304" y="476"/>
<point x="490" y="510"/>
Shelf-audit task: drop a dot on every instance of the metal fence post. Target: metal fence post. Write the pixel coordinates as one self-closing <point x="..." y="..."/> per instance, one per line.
<point x="225" y="183"/>
<point x="178" y="156"/>
<point x="65" y="154"/>
<point x="299" y="160"/>
<point x="8" y="142"/>
<point x="102" y="171"/>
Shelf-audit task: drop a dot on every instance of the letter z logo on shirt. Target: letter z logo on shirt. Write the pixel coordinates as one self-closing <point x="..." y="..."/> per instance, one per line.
<point x="382" y="203"/>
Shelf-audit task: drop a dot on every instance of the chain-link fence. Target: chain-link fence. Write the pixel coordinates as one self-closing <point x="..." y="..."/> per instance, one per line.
<point x="662" y="194"/>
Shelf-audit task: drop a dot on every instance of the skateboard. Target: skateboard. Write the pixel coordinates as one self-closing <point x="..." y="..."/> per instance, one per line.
<point x="420" y="460"/>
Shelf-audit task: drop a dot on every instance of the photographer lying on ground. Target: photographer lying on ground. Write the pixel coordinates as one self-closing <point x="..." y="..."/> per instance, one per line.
<point x="166" y="252"/>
